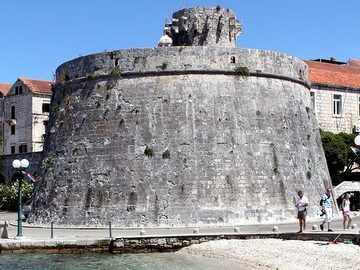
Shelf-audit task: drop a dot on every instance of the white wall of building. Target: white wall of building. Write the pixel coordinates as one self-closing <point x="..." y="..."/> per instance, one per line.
<point x="349" y="115"/>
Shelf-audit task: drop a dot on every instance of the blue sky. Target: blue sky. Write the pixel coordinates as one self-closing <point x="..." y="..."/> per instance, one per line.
<point x="36" y="36"/>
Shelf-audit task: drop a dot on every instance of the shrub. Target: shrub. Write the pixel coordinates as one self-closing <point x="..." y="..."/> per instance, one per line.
<point x="116" y="72"/>
<point x="9" y="194"/>
<point x="148" y="152"/>
<point x="91" y="75"/>
<point x="166" y="154"/>
<point x="242" y="71"/>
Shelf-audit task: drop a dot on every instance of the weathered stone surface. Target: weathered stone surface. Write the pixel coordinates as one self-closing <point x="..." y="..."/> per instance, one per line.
<point x="179" y="139"/>
<point x="204" y="26"/>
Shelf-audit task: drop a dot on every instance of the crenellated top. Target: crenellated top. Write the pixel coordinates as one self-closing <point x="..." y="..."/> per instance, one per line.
<point x="203" y="26"/>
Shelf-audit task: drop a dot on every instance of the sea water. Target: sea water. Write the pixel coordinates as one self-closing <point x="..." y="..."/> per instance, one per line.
<point x="148" y="261"/>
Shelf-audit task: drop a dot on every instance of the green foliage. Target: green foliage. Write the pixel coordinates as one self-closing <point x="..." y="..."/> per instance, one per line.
<point x="148" y="152"/>
<point x="116" y="72"/>
<point x="9" y="194"/>
<point x="48" y="162"/>
<point x="337" y="152"/>
<point x="242" y="71"/>
<point x="308" y="175"/>
<point x="91" y="75"/>
<point x="166" y="154"/>
<point x="276" y="171"/>
<point x="218" y="8"/>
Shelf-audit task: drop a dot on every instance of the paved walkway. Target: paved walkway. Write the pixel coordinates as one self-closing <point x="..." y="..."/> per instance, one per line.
<point x="98" y="233"/>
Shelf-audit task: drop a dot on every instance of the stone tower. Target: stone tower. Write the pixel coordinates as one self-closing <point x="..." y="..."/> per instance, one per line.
<point x="196" y="133"/>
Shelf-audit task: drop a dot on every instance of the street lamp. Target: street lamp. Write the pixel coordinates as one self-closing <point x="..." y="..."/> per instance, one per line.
<point x="18" y="165"/>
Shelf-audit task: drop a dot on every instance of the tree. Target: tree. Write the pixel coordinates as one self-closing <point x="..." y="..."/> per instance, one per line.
<point x="340" y="159"/>
<point x="9" y="194"/>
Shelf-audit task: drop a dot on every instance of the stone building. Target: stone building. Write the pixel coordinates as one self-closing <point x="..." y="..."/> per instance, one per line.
<point x="335" y="94"/>
<point x="193" y="132"/>
<point x="4" y="89"/>
<point x="25" y="114"/>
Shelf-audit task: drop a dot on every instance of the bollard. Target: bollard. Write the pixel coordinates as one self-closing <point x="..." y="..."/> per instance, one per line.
<point x="236" y="229"/>
<point x="5" y="233"/>
<point x="110" y="230"/>
<point x="275" y="229"/>
<point x="195" y="230"/>
<point x="52" y="230"/>
<point x="315" y="227"/>
<point x="354" y="226"/>
<point x="142" y="232"/>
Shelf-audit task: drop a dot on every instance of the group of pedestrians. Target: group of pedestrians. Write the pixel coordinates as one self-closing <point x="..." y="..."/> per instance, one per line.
<point x="326" y="204"/>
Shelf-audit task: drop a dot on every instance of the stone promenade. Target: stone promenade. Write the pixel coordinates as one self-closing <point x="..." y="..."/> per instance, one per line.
<point x="122" y="240"/>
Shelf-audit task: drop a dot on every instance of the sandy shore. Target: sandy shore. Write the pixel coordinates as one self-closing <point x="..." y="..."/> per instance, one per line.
<point x="278" y="254"/>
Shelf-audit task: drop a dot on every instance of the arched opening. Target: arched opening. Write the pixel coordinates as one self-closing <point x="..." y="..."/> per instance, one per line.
<point x="354" y="200"/>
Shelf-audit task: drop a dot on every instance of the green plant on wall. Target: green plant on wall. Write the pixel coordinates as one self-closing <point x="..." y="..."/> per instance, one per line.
<point x="91" y="75"/>
<point x="166" y="154"/>
<point x="242" y="71"/>
<point x="116" y="72"/>
<point x="149" y="152"/>
<point x="48" y="162"/>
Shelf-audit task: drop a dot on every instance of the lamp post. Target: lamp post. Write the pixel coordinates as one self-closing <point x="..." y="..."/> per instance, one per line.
<point x="18" y="165"/>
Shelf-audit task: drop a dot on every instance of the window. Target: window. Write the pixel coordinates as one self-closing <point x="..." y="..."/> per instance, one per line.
<point x="13" y="112"/>
<point x="312" y="98"/>
<point x="18" y="90"/>
<point x="12" y="149"/>
<point x="23" y="148"/>
<point x="46" y="107"/>
<point x="12" y="129"/>
<point x="337" y="105"/>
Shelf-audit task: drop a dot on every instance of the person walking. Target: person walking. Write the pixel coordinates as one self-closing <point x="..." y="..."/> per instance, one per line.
<point x="345" y="207"/>
<point x="327" y="204"/>
<point x="301" y="203"/>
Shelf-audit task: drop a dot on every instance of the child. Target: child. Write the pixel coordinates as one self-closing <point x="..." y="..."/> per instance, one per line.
<point x="345" y="207"/>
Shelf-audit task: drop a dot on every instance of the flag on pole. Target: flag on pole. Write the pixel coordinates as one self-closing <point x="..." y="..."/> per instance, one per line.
<point x="29" y="176"/>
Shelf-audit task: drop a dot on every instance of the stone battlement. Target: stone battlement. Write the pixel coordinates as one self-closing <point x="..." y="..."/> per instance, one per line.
<point x="204" y="26"/>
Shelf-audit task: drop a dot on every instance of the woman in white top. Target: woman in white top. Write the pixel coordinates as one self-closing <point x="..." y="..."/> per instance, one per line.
<point x="345" y="207"/>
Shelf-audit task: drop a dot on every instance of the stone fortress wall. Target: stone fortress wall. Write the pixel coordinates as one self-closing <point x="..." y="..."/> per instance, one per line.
<point x="174" y="136"/>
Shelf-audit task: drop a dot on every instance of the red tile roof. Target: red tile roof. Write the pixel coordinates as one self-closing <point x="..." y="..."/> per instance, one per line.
<point x="4" y="88"/>
<point x="38" y="86"/>
<point x="332" y="74"/>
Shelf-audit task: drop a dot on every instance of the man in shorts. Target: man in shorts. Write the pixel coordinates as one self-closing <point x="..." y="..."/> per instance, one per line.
<point x="326" y="204"/>
<point x="301" y="203"/>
